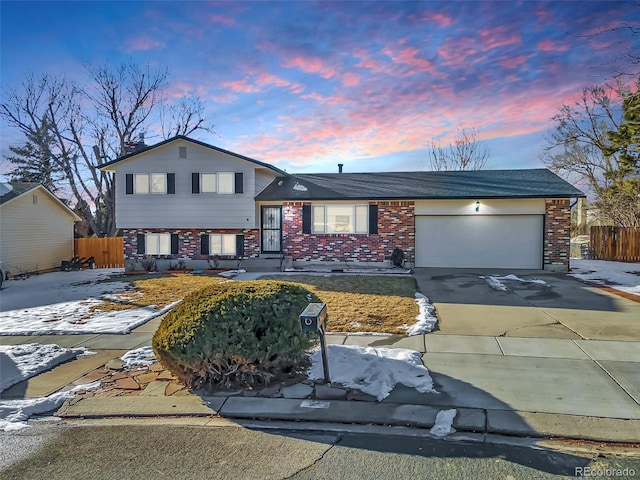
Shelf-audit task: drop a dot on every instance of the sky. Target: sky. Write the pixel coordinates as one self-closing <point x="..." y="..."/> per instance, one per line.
<point x="306" y="85"/>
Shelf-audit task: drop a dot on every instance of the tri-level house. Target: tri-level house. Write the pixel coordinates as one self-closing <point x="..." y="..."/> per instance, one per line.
<point x="185" y="199"/>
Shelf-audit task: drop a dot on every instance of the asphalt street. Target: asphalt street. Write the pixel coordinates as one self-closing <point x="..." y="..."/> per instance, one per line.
<point x="146" y="450"/>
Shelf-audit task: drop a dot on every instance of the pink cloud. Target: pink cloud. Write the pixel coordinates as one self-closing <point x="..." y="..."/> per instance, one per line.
<point x="240" y="86"/>
<point x="408" y="56"/>
<point x="350" y="79"/>
<point x="457" y="51"/>
<point x="513" y="62"/>
<point x="309" y="64"/>
<point x="550" y="46"/>
<point x="143" y="43"/>
<point x="499" y="37"/>
<point x="441" y="19"/>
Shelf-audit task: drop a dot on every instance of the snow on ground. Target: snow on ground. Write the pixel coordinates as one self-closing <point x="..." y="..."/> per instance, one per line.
<point x="14" y="413"/>
<point x="495" y="281"/>
<point x="375" y="371"/>
<point x="20" y="362"/>
<point x="444" y="423"/>
<point x="59" y="303"/>
<point x="142" y="357"/>
<point x="426" y="320"/>
<point x="618" y="275"/>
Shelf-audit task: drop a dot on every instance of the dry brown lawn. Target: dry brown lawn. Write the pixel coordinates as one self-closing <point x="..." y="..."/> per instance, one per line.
<point x="355" y="303"/>
<point x="363" y="303"/>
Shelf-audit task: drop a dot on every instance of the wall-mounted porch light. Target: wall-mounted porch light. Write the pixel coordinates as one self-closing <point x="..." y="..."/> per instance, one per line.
<point x="477" y="205"/>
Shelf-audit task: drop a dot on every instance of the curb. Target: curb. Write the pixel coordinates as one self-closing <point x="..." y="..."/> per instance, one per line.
<point x="470" y="420"/>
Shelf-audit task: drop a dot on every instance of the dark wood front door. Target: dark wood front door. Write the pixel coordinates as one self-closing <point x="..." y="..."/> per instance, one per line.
<point x="271" y="229"/>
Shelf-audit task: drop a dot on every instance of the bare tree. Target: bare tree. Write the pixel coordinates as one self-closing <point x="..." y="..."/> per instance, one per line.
<point x="90" y="125"/>
<point x="465" y="153"/>
<point x="580" y="149"/>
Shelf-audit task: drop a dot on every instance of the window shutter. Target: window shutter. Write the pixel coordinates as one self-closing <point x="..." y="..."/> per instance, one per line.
<point x="306" y="219"/>
<point x="239" y="183"/>
<point x="204" y="244"/>
<point x="174" y="244"/>
<point x="239" y="245"/>
<point x="129" y="183"/>
<point x="140" y="243"/>
<point x="373" y="218"/>
<point x="195" y="183"/>
<point x="171" y="183"/>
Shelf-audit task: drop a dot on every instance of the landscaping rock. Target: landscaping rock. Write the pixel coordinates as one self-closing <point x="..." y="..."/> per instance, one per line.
<point x="327" y="392"/>
<point x="270" y="391"/>
<point x="299" y="390"/>
<point x="127" y="384"/>
<point x="115" y="364"/>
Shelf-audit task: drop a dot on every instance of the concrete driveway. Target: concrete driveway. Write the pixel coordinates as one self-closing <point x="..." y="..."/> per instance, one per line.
<point x="544" y="305"/>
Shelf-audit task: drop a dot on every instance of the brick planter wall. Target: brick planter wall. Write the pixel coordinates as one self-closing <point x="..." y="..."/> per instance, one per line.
<point x="396" y="227"/>
<point x="189" y="242"/>
<point x="557" y="234"/>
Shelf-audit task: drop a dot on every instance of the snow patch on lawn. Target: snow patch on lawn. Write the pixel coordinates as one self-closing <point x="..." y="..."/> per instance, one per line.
<point x="15" y="413"/>
<point x="617" y="275"/>
<point x="375" y="371"/>
<point x="20" y="362"/>
<point x="426" y="320"/>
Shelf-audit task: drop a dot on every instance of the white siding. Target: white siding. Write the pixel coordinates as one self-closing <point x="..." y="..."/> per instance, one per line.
<point x="34" y="236"/>
<point x="185" y="209"/>
<point x="530" y="206"/>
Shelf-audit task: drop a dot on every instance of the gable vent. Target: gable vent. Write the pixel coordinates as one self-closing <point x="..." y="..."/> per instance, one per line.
<point x="182" y="152"/>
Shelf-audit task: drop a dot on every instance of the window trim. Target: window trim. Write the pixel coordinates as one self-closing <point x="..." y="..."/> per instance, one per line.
<point x="352" y="206"/>
<point x="147" y="236"/>
<point x="212" y="251"/>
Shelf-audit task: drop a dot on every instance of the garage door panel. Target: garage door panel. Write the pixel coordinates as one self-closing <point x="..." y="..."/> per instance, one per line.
<point x="482" y="241"/>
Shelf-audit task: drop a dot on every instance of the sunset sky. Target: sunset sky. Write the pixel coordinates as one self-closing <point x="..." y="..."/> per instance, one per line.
<point x="306" y="85"/>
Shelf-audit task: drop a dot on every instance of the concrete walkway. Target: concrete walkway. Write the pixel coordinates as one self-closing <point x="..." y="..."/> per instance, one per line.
<point x="535" y="387"/>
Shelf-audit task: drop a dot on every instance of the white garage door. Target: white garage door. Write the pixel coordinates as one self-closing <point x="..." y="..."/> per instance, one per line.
<point x="482" y="241"/>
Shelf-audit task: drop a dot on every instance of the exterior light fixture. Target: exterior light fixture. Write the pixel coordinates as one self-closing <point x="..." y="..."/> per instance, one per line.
<point x="477" y="205"/>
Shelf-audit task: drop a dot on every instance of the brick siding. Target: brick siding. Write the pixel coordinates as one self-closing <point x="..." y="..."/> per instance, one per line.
<point x="557" y="234"/>
<point x="396" y="227"/>
<point x="189" y="242"/>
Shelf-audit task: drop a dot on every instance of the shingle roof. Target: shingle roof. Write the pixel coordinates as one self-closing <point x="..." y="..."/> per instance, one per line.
<point x="533" y="183"/>
<point x="197" y="142"/>
<point x="15" y="190"/>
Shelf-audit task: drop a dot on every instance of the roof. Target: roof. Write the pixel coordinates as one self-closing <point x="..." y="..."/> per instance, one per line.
<point x="108" y="165"/>
<point x="12" y="190"/>
<point x="477" y="184"/>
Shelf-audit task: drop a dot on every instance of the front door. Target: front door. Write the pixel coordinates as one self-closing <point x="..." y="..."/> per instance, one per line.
<point x="271" y="229"/>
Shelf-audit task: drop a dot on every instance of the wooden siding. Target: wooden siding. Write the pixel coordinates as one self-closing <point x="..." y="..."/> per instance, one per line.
<point x="36" y="233"/>
<point x="107" y="252"/>
<point x="615" y="243"/>
<point x="185" y="209"/>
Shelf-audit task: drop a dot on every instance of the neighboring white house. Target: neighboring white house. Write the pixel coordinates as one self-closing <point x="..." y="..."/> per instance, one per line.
<point x="36" y="228"/>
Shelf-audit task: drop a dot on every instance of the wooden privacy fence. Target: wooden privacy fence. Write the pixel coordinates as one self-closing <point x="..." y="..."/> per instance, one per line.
<point x="108" y="252"/>
<point x="615" y="243"/>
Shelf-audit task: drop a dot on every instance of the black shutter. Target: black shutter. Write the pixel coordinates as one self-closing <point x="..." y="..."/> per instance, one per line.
<point x="171" y="183"/>
<point x="140" y="243"/>
<point x="129" y="183"/>
<point x="306" y="219"/>
<point x="239" y="182"/>
<point x="195" y="183"/>
<point x="373" y="218"/>
<point x="204" y="244"/>
<point x="174" y="244"/>
<point x="239" y="245"/>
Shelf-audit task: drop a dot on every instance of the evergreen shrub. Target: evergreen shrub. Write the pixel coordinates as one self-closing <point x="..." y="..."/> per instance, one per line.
<point x="235" y="334"/>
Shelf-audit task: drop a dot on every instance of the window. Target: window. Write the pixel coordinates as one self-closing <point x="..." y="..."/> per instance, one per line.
<point x="225" y="183"/>
<point x="158" y="243"/>
<point x="144" y="183"/>
<point x="158" y="183"/>
<point x="222" y="244"/>
<point x="340" y="219"/>
<point x="141" y="184"/>
<point x="209" y="183"/>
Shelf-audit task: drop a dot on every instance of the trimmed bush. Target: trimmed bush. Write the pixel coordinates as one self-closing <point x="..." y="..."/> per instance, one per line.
<point x="235" y="334"/>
